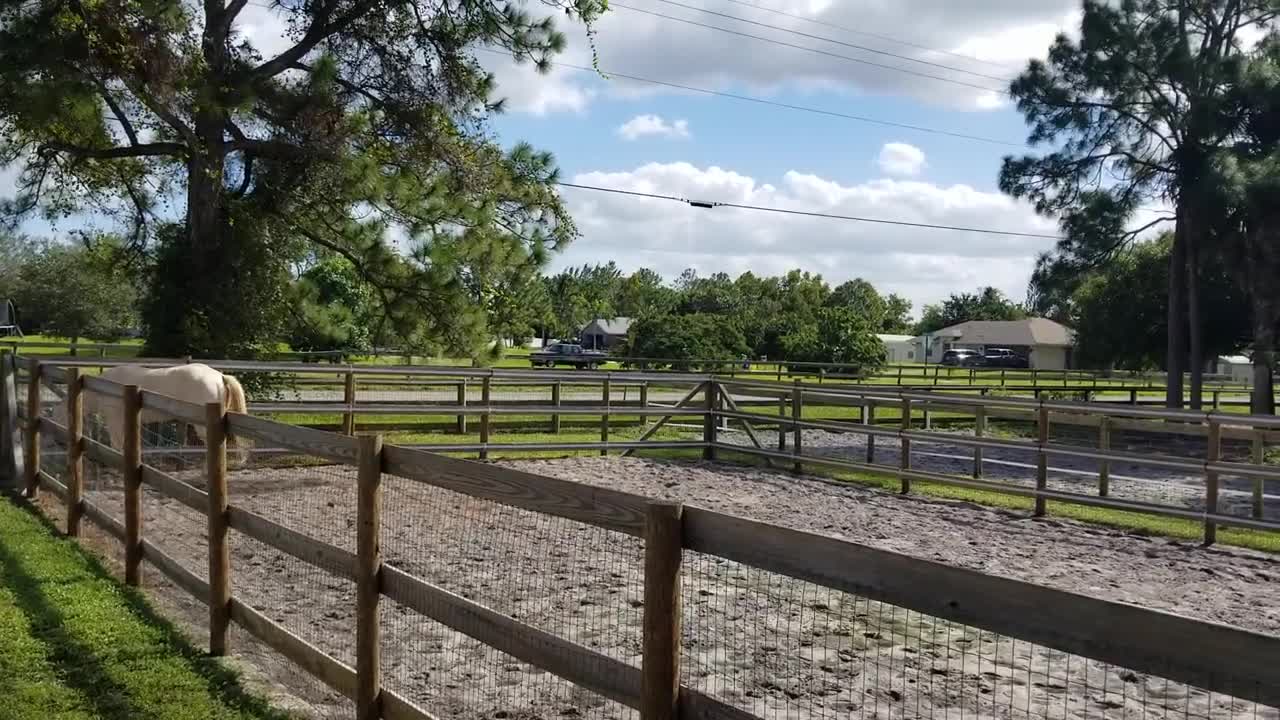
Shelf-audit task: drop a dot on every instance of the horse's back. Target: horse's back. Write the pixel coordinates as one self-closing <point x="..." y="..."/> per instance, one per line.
<point x="194" y="383"/>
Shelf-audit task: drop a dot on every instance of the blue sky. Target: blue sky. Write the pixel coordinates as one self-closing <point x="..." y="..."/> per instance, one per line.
<point x="626" y="135"/>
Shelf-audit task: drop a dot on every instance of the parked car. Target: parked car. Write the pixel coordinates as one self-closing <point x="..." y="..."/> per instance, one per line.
<point x="961" y="357"/>
<point x="567" y="354"/>
<point x="1004" y="358"/>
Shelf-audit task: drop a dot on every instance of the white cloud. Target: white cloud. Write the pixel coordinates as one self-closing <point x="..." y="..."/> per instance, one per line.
<point x="653" y="125"/>
<point x="923" y="264"/>
<point x="898" y="158"/>
<point x="980" y="42"/>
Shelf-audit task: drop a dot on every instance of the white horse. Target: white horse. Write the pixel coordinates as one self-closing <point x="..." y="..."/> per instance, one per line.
<point x="193" y="383"/>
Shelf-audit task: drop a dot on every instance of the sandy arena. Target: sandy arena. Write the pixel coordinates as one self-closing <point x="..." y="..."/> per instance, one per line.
<point x="775" y="647"/>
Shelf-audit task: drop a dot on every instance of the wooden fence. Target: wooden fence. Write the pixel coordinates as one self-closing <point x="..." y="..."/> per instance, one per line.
<point x="1213" y="657"/>
<point x="887" y="414"/>
<point x="916" y="376"/>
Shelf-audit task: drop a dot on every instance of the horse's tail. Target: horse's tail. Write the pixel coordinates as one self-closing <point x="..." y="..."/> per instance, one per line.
<point x="233" y="396"/>
<point x="233" y="401"/>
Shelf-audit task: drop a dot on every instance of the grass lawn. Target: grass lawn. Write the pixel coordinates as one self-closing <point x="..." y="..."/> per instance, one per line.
<point x="75" y="644"/>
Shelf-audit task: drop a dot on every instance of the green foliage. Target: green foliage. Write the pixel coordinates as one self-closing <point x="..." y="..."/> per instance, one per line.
<point x="580" y="295"/>
<point x="1130" y="335"/>
<point x="987" y="304"/>
<point x="685" y="338"/>
<point x="837" y="335"/>
<point x="365" y="137"/>
<point x="885" y="314"/>
<point x="76" y="291"/>
<point x="235" y="307"/>
<point x="332" y="309"/>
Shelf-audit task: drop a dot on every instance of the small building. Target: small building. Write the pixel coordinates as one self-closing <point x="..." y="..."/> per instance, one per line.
<point x="898" y="348"/>
<point x="1046" y="344"/>
<point x="8" y="319"/>
<point x="601" y="334"/>
<point x="1239" y="368"/>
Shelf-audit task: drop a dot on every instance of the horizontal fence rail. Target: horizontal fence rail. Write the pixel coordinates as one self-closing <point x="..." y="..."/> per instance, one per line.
<point x="1213" y="657"/>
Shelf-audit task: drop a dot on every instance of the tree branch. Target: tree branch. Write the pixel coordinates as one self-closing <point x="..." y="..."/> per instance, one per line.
<point x="320" y="29"/>
<point x="265" y="148"/>
<point x="143" y="150"/>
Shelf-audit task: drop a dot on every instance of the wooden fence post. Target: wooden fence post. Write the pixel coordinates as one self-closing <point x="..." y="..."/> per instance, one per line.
<point x="1217" y="399"/>
<point x="1042" y="459"/>
<point x="660" y="665"/>
<point x="75" y="450"/>
<point x="1133" y="396"/>
<point x="1104" y="466"/>
<point x="782" y="428"/>
<point x="13" y="467"/>
<point x="555" y="402"/>
<point x="644" y="403"/>
<point x="905" y="444"/>
<point x="797" y="436"/>
<point x="132" y="453"/>
<point x="1257" y="455"/>
<point x="215" y="420"/>
<point x="709" y="426"/>
<point x="368" y="580"/>
<point x="869" y="419"/>
<point x="33" y="429"/>
<point x="606" y="392"/>
<point x="349" y="399"/>
<point x="462" y="405"/>
<point x="979" y="429"/>
<point x="484" y="419"/>
<point x="1213" y="453"/>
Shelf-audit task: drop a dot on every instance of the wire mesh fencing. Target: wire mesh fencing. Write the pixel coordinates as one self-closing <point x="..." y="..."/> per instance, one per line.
<point x="316" y="602"/>
<point x="576" y="581"/>
<point x="778" y="647"/>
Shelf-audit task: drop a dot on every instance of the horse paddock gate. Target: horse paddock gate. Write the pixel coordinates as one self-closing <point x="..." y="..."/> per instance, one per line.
<point x="373" y="579"/>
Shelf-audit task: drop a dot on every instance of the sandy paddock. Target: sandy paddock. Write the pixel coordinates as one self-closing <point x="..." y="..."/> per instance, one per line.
<point x="771" y="645"/>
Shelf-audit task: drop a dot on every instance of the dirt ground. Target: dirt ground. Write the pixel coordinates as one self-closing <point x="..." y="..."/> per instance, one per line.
<point x="765" y="643"/>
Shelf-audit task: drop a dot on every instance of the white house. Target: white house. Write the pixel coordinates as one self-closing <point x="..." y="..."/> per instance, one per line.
<point x="899" y="348"/>
<point x="1239" y="367"/>
<point x="1047" y="344"/>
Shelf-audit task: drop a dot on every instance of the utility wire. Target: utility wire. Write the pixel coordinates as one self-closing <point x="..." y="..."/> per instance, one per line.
<point x="877" y="36"/>
<point x="808" y="49"/>
<point x="784" y="211"/>
<point x="833" y="41"/>
<point x="773" y="103"/>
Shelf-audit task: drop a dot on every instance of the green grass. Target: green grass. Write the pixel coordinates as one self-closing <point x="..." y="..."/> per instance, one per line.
<point x="76" y="645"/>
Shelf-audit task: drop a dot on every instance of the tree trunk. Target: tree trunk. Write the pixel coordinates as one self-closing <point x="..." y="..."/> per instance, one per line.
<point x="1262" y="398"/>
<point x="1195" y="326"/>
<point x="1176" y="355"/>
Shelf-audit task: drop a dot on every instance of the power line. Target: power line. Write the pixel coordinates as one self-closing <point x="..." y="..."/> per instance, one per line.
<point x="877" y="36"/>
<point x="805" y="213"/>
<point x="833" y="41"/>
<point x="774" y="103"/>
<point x="808" y="49"/>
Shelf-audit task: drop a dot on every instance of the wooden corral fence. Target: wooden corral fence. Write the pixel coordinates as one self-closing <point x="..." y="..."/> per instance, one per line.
<point x="915" y="376"/>
<point x="1216" y="658"/>
<point x="703" y="405"/>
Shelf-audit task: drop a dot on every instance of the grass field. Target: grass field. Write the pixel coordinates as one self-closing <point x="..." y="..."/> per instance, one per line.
<point x="76" y="645"/>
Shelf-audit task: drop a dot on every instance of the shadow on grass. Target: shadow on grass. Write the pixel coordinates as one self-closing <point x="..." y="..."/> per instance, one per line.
<point x="76" y="663"/>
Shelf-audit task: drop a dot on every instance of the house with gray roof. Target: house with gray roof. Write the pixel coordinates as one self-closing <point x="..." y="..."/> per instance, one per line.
<point x="1047" y="344"/>
<point x="602" y="334"/>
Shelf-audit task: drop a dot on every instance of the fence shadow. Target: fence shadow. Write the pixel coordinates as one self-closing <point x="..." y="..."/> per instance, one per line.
<point x="78" y="666"/>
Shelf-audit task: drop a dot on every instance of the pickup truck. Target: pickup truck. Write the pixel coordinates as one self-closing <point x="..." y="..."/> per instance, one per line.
<point x="567" y="354"/>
